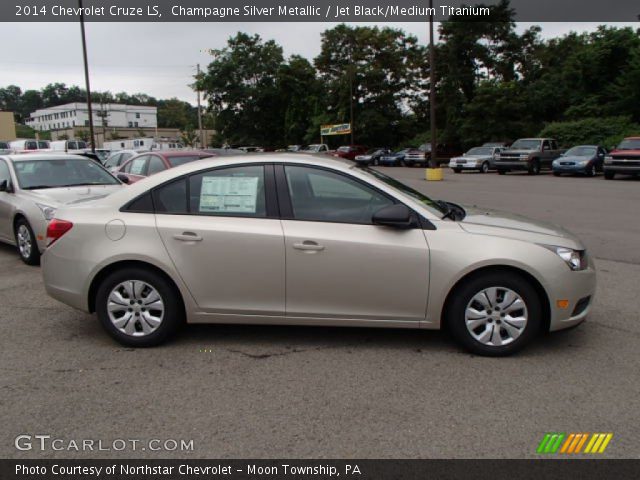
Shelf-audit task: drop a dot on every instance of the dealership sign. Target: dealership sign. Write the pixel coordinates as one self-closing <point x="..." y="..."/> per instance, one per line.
<point x="341" y="129"/>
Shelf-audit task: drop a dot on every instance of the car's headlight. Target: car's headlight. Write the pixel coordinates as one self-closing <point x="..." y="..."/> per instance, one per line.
<point x="47" y="210"/>
<point x="575" y="259"/>
<point x="608" y="159"/>
<point x="582" y="163"/>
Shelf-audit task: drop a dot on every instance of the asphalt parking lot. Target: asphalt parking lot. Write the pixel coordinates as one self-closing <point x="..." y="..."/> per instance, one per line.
<point x="262" y="392"/>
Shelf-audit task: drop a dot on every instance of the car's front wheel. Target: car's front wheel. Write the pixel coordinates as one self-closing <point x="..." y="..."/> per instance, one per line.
<point x="138" y="307"/>
<point x="494" y="314"/>
<point x="484" y="168"/>
<point x="26" y="242"/>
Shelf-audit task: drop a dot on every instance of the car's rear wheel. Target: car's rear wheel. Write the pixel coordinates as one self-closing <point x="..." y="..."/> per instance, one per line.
<point x="26" y="242"/>
<point x="494" y="314"/>
<point x="138" y="307"/>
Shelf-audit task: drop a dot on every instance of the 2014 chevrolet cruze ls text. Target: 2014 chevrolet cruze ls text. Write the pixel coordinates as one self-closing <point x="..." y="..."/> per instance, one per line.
<point x="280" y="239"/>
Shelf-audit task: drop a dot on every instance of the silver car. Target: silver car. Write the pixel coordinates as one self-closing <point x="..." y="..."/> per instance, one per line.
<point x="33" y="186"/>
<point x="477" y="158"/>
<point x="284" y="239"/>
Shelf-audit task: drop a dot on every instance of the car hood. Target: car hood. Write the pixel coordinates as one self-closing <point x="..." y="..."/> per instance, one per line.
<point x="503" y="224"/>
<point x="623" y="153"/>
<point x="472" y="157"/>
<point x="519" y="151"/>
<point x="72" y="195"/>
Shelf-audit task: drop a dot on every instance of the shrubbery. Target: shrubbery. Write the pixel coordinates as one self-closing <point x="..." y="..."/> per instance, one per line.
<point x="605" y="131"/>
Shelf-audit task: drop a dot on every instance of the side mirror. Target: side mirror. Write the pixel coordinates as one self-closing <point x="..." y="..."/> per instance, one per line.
<point x="5" y="187"/>
<point x="123" y="178"/>
<point x="396" y="216"/>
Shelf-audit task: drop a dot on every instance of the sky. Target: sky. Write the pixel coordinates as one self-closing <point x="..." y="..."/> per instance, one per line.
<point x="158" y="59"/>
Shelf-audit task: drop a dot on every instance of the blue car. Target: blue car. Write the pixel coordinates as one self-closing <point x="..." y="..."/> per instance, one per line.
<point x="582" y="159"/>
<point x="393" y="159"/>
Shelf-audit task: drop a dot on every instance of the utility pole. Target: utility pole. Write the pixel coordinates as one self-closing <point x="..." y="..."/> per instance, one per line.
<point x="433" y="161"/>
<point x="202" y="145"/>
<point x="86" y="78"/>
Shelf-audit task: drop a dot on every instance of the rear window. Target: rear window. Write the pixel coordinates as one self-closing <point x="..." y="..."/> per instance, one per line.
<point x="176" y="161"/>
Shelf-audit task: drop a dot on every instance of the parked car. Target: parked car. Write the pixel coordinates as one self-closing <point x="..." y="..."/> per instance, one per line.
<point x="624" y="159"/>
<point x="119" y="157"/>
<point x="150" y="163"/>
<point x="316" y="148"/>
<point x="372" y="157"/>
<point x="251" y="149"/>
<point x="102" y="154"/>
<point x="395" y="159"/>
<point x="294" y="148"/>
<point x="350" y="152"/>
<point x="530" y="154"/>
<point x="496" y="144"/>
<point x="217" y="241"/>
<point x="421" y="156"/>
<point x="477" y="158"/>
<point x="583" y="159"/>
<point x="23" y="146"/>
<point x="5" y="148"/>
<point x="33" y="186"/>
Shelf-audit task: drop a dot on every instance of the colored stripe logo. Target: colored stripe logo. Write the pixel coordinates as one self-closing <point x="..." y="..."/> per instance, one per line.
<point x="573" y="443"/>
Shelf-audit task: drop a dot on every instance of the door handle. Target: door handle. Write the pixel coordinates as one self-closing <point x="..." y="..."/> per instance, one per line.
<point x="309" y="246"/>
<point x="188" y="237"/>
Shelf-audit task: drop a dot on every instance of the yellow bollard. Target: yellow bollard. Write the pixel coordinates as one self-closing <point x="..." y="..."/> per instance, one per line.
<point x="434" y="174"/>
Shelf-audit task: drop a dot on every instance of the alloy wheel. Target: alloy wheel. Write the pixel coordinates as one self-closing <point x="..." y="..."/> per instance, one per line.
<point x="25" y="242"/>
<point x="135" y="308"/>
<point x="496" y="316"/>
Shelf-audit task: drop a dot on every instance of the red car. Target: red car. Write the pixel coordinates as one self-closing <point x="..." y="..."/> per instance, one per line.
<point x="148" y="163"/>
<point x="624" y="159"/>
<point x="350" y="152"/>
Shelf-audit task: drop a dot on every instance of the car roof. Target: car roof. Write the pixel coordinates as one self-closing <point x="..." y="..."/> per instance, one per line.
<point x="43" y="156"/>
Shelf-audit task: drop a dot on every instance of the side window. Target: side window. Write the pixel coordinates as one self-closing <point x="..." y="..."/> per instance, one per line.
<point x="155" y="165"/>
<point x="323" y="196"/>
<point x="554" y="145"/>
<point x="72" y="146"/>
<point x="545" y="145"/>
<point x="142" y="204"/>
<point x="30" y="146"/>
<point x="137" y="166"/>
<point x="113" y="161"/>
<point x="171" y="197"/>
<point x="238" y="191"/>
<point x="4" y="172"/>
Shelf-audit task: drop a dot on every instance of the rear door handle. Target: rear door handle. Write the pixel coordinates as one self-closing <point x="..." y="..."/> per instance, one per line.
<point x="188" y="237"/>
<point x="309" y="246"/>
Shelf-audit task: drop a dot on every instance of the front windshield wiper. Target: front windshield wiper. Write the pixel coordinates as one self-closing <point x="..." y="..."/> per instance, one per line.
<point x="37" y="187"/>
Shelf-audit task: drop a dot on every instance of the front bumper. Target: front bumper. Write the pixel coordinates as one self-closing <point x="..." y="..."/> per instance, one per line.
<point x="512" y="165"/>
<point x="579" y="289"/>
<point x="466" y="166"/>
<point x="624" y="169"/>
<point x="569" y="168"/>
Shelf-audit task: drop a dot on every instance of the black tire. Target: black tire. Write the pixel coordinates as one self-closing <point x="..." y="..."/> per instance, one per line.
<point x="590" y="171"/>
<point x="609" y="175"/>
<point x="457" y="170"/>
<point x="534" y="167"/>
<point x="32" y="256"/>
<point x="173" y="317"/>
<point x="501" y="172"/>
<point x="556" y="174"/>
<point x="462" y="296"/>
<point x="484" y="168"/>
<point x="408" y="164"/>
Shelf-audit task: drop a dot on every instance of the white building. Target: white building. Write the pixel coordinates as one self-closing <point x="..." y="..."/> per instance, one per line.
<point x="77" y="115"/>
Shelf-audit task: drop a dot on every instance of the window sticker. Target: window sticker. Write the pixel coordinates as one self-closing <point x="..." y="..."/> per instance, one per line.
<point x="229" y="194"/>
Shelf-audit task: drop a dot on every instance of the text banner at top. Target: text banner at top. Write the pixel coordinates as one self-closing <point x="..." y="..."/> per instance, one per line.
<point x="312" y="10"/>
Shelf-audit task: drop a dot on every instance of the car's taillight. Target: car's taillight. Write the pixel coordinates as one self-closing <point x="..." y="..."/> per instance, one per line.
<point x="56" y="229"/>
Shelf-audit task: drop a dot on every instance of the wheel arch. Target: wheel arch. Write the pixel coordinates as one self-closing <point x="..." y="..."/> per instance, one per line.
<point x="542" y="293"/>
<point x="112" y="267"/>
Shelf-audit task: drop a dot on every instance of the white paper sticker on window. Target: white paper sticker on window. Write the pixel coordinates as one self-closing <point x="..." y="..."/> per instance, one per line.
<point x="229" y="194"/>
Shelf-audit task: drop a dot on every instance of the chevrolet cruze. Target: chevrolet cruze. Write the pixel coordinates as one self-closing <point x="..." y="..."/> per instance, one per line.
<point x="280" y="239"/>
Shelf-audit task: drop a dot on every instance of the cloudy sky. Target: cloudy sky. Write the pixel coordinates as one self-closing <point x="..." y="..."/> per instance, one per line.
<point x="158" y="59"/>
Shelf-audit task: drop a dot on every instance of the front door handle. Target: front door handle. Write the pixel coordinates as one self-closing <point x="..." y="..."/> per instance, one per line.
<point x="188" y="237"/>
<point x="309" y="246"/>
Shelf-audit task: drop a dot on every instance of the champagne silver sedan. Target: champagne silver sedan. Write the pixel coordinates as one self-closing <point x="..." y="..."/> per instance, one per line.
<point x="280" y="239"/>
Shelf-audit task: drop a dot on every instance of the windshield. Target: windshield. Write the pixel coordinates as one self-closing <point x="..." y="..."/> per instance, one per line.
<point x="175" y="161"/>
<point x="629" y="144"/>
<point x="480" y="151"/>
<point x="525" y="144"/>
<point x="36" y="174"/>
<point x="581" y="152"/>
<point x="392" y="182"/>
